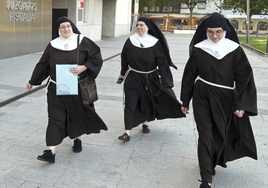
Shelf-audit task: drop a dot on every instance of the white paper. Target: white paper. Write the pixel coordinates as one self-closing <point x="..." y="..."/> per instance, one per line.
<point x="67" y="82"/>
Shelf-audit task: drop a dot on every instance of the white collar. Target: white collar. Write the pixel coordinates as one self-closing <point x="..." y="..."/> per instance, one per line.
<point x="220" y="49"/>
<point x="69" y="44"/>
<point x="143" y="41"/>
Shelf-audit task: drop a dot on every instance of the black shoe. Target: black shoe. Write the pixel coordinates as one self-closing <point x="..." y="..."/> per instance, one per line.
<point x="47" y="156"/>
<point x="77" y="146"/>
<point x="145" y="129"/>
<point x="124" y="137"/>
<point x="205" y="185"/>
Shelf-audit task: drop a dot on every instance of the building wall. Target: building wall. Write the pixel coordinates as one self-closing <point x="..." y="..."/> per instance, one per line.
<point x="66" y="4"/>
<point x="33" y="30"/>
<point x="207" y="8"/>
<point x="25" y="27"/>
<point x="108" y="15"/>
<point x="116" y="17"/>
<point x="122" y="17"/>
<point x="253" y="27"/>
<point x="182" y="21"/>
<point x="91" y="25"/>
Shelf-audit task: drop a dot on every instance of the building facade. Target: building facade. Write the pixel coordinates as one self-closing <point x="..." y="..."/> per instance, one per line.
<point x="26" y="26"/>
<point x="177" y="17"/>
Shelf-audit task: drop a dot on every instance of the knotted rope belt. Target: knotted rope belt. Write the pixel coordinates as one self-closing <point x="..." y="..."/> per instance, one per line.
<point x="148" y="83"/>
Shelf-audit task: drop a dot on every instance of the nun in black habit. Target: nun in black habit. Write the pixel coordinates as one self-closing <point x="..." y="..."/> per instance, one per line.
<point x="219" y="78"/>
<point x="67" y="116"/>
<point x="148" y="81"/>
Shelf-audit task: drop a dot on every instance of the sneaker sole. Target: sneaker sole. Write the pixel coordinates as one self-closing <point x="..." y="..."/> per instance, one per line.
<point x="41" y="159"/>
<point x="124" y="139"/>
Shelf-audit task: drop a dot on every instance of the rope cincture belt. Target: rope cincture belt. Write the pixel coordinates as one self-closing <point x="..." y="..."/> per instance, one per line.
<point x="49" y="81"/>
<point x="148" y="83"/>
<point x="137" y="71"/>
<point x="213" y="84"/>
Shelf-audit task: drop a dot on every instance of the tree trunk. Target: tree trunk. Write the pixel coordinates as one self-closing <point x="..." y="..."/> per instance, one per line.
<point x="191" y="17"/>
<point x="167" y="21"/>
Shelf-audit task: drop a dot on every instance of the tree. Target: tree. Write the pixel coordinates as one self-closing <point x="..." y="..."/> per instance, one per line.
<point x="162" y="4"/>
<point x="240" y="6"/>
<point x="166" y="4"/>
<point x="143" y="4"/>
<point x="191" y="4"/>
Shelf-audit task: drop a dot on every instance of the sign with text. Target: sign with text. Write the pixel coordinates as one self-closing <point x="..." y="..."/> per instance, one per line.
<point x="21" y="10"/>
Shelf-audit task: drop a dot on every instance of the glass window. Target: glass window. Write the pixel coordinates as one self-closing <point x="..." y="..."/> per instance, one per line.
<point x="177" y="8"/>
<point x="80" y="15"/>
<point x="262" y="25"/>
<point x="235" y="24"/>
<point x="176" y="22"/>
<point x="245" y="25"/>
<point x="197" y="21"/>
<point x="80" y="11"/>
<point x="179" y="23"/>
<point x="167" y="9"/>
<point x="157" y="21"/>
<point x="184" y="6"/>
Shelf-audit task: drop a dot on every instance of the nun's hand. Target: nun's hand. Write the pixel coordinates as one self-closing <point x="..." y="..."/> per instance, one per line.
<point x="239" y="113"/>
<point x="28" y="86"/>
<point x="120" y="77"/>
<point x="77" y="70"/>
<point x="184" y="110"/>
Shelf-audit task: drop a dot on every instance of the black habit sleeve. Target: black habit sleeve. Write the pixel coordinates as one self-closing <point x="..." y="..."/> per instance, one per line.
<point x="41" y="70"/>
<point x="124" y="58"/>
<point x="93" y="60"/>
<point x="164" y="69"/>
<point x="240" y="140"/>
<point x="188" y="79"/>
<point x="246" y="98"/>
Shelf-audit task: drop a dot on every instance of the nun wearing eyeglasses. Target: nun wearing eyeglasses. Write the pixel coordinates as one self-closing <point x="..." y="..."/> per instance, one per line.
<point x="67" y="116"/>
<point x="148" y="81"/>
<point x="219" y="79"/>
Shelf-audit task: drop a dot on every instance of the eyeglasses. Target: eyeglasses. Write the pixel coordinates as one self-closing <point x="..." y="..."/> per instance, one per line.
<point x="218" y="32"/>
<point x="63" y="27"/>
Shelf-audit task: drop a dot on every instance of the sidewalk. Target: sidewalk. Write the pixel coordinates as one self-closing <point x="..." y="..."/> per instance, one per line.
<point x="165" y="158"/>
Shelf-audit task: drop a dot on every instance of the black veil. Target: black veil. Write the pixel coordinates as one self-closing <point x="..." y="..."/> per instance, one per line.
<point x="61" y="20"/>
<point x="205" y="22"/>
<point x="156" y="32"/>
